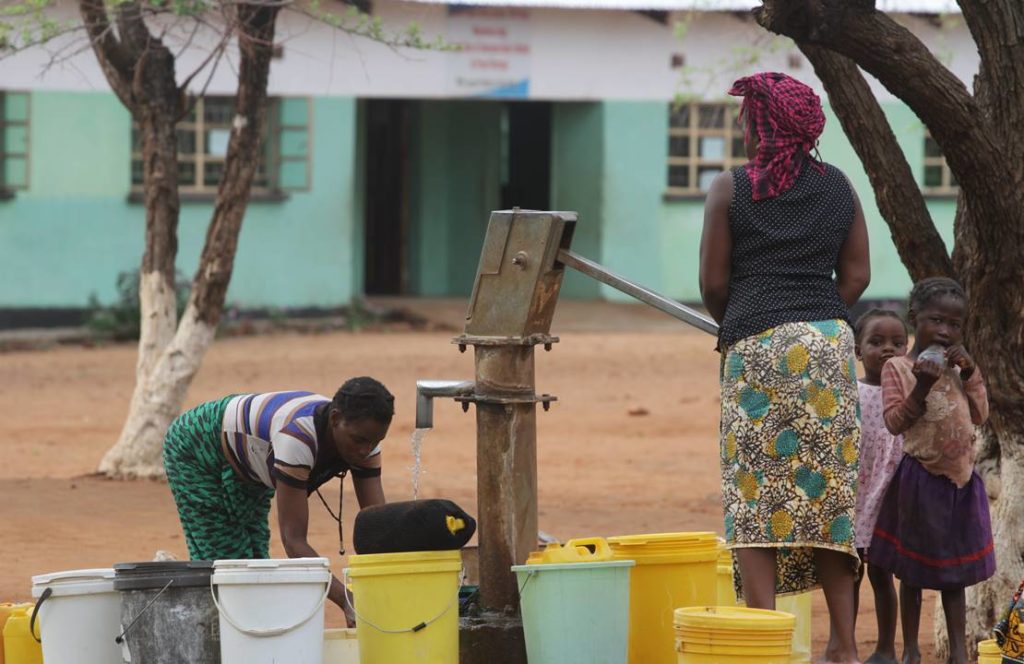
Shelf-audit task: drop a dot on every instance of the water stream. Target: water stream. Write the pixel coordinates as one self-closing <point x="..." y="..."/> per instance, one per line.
<point x="417" y="464"/>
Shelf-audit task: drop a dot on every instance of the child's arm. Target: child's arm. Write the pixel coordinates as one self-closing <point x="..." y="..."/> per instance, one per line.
<point x="974" y="385"/>
<point x="903" y="403"/>
<point x="977" y="397"/>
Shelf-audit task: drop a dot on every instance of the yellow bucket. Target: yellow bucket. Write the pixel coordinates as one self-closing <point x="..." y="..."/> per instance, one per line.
<point x="732" y="635"/>
<point x="18" y="644"/>
<point x="989" y="652"/>
<point x="407" y="606"/>
<point x="726" y="587"/>
<point x="672" y="570"/>
<point x="798" y="605"/>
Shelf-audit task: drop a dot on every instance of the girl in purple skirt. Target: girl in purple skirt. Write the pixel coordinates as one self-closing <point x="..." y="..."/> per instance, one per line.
<point x="933" y="530"/>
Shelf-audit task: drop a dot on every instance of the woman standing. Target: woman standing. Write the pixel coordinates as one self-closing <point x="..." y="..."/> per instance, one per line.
<point x="784" y="254"/>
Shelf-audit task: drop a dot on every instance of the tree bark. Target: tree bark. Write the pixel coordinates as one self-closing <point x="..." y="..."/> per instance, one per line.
<point x="164" y="376"/>
<point x="980" y="137"/>
<point x="899" y="199"/>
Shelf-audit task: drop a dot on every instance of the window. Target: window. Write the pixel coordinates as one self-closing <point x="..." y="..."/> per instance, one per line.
<point x="703" y="141"/>
<point x="14" y="111"/>
<point x="203" y="144"/>
<point x="938" y="179"/>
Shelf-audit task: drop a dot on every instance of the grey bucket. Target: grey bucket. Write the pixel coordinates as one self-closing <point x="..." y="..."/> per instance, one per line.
<point x="167" y="612"/>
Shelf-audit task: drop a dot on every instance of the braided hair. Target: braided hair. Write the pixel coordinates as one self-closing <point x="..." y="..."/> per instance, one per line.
<point x="364" y="398"/>
<point x="928" y="290"/>
<point x="871" y="314"/>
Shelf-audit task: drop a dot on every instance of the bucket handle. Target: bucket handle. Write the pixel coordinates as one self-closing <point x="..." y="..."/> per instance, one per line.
<point x="415" y="628"/>
<point x="273" y="631"/>
<point x="35" y="612"/>
<point x="120" y="639"/>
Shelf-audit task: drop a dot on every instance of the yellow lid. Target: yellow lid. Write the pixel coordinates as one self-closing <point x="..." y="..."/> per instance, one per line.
<point x="666" y="547"/>
<point x="733" y="618"/>
<point x="990" y="647"/>
<point x="584" y="550"/>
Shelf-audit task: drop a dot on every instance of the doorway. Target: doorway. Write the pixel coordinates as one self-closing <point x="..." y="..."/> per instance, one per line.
<point x="387" y="168"/>
<point x="526" y="162"/>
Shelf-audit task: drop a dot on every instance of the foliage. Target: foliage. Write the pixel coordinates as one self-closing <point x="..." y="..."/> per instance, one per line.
<point x="27" y="23"/>
<point x="120" y="321"/>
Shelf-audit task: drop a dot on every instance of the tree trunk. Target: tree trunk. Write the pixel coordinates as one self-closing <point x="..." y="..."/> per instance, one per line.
<point x="980" y="137"/>
<point x="167" y="370"/>
<point x="157" y="106"/>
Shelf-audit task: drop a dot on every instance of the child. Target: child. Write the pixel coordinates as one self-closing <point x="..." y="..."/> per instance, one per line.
<point x="879" y="335"/>
<point x="933" y="530"/>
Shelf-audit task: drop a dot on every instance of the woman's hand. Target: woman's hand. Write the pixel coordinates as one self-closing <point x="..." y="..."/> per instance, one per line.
<point x="957" y="356"/>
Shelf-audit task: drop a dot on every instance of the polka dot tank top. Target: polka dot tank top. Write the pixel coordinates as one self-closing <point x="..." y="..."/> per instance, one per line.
<point x="785" y="251"/>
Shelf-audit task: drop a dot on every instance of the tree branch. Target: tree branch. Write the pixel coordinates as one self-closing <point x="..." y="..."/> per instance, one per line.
<point x="135" y="36"/>
<point x="905" y="66"/>
<point x="997" y="27"/>
<point x="899" y="199"/>
<point x="115" y="62"/>
<point x="255" y="28"/>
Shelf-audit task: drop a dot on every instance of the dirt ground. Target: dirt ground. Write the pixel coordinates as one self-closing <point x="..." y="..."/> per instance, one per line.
<point x="602" y="470"/>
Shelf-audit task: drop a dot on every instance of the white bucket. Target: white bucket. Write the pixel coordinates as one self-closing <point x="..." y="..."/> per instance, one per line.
<point x="271" y="611"/>
<point x="79" y="617"/>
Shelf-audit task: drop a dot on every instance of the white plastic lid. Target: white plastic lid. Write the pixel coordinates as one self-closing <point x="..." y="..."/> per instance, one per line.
<point x="296" y="564"/>
<point x="271" y="571"/>
<point x="75" y="582"/>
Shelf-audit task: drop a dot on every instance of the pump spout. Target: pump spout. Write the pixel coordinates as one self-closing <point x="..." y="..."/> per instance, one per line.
<point x="426" y="390"/>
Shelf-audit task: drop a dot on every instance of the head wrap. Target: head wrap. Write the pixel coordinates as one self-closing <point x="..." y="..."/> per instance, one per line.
<point x="788" y="118"/>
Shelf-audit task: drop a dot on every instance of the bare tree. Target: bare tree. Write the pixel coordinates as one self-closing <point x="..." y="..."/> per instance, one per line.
<point x="130" y="41"/>
<point x="982" y="139"/>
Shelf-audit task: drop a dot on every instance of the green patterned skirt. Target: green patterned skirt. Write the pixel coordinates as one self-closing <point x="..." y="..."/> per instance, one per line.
<point x="223" y="516"/>
<point x="790" y="437"/>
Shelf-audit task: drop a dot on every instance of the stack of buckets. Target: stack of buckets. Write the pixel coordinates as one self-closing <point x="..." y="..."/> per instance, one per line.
<point x="575" y="603"/>
<point x="267" y="611"/>
<point x="797" y="605"/>
<point x="733" y="635"/>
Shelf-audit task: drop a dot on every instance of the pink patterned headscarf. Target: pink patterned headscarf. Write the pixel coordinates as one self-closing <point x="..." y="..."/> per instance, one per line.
<point x="788" y="118"/>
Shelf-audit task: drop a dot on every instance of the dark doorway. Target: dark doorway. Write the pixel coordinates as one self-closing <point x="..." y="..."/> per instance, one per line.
<point x="386" y="150"/>
<point x="527" y="139"/>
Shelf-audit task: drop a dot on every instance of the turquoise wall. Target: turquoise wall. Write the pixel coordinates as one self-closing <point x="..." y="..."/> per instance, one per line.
<point x="455" y="184"/>
<point x="577" y="171"/>
<point x="70" y="234"/>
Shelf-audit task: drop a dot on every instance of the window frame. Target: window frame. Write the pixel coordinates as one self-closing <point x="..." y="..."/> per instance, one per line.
<point x="270" y="161"/>
<point x="693" y="161"/>
<point x="948" y="187"/>
<point x="7" y="189"/>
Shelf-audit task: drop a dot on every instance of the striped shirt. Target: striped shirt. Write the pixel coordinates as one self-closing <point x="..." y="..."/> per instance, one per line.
<point x="273" y="437"/>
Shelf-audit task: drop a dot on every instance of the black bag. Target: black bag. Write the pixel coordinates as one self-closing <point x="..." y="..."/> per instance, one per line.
<point x="415" y="525"/>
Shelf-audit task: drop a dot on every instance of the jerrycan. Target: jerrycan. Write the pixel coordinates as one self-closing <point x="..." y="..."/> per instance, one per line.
<point x="20" y="647"/>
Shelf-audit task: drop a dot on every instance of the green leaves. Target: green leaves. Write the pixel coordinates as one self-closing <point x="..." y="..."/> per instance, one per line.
<point x="25" y="23"/>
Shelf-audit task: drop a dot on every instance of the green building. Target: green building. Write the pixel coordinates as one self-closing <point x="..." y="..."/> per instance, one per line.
<point x="381" y="167"/>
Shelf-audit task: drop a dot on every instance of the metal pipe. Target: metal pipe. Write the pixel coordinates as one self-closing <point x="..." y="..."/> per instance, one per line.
<point x="645" y="295"/>
<point x="506" y="464"/>
<point x="426" y="390"/>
